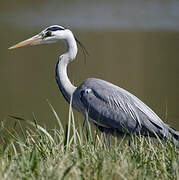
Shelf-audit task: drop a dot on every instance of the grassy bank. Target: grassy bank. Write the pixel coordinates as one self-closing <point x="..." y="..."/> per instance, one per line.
<point x="76" y="153"/>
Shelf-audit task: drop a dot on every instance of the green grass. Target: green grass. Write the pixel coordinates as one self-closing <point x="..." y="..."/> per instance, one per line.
<point x="79" y="153"/>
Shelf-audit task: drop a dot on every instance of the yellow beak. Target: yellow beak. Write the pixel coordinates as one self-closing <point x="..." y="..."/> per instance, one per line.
<point x="31" y="41"/>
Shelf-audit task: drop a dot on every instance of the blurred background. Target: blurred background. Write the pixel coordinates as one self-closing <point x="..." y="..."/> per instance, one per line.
<point x="132" y="43"/>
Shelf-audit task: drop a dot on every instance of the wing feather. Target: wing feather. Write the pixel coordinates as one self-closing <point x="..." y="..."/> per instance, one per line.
<point x="116" y="108"/>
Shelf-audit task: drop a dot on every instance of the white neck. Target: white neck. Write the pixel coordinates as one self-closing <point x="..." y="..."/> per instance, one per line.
<point x="64" y="84"/>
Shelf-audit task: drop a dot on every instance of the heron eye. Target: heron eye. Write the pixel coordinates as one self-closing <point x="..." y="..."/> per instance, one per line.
<point x="48" y="33"/>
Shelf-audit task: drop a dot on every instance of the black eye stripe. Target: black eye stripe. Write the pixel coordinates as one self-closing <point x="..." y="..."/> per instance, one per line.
<point x="55" y="28"/>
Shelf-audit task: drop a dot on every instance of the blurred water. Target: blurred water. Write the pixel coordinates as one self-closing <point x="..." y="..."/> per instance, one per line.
<point x="133" y="44"/>
<point x="121" y="14"/>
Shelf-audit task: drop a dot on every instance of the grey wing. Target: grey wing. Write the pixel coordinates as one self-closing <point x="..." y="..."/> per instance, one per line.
<point x="115" y="107"/>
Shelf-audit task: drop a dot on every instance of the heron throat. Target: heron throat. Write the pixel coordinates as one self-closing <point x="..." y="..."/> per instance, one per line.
<point x="64" y="83"/>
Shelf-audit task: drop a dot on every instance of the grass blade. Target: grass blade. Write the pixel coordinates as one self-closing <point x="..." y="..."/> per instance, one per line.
<point x="36" y="126"/>
<point x="56" y="116"/>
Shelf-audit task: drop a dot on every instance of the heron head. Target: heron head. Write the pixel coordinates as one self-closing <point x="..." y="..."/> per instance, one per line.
<point x="51" y="34"/>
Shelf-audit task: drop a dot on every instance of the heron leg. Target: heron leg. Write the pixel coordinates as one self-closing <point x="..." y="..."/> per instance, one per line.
<point x="129" y="142"/>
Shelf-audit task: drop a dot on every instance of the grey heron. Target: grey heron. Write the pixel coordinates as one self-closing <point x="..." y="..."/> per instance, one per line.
<point x="112" y="109"/>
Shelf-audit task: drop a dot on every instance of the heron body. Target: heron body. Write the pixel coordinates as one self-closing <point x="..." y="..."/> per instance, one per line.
<point x="112" y="109"/>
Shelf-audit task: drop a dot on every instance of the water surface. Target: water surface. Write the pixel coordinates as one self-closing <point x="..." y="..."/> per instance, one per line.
<point x="131" y="45"/>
